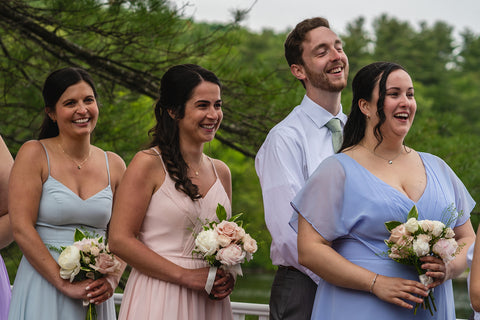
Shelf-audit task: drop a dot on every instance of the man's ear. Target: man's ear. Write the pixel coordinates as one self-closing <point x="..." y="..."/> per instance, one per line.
<point x="298" y="71"/>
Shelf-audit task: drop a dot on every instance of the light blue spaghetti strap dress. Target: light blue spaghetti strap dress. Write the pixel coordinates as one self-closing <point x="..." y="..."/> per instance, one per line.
<point x="348" y="206"/>
<point x="60" y="212"/>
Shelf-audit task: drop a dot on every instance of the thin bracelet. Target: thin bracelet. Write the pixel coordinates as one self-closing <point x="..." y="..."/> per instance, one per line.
<point x="373" y="282"/>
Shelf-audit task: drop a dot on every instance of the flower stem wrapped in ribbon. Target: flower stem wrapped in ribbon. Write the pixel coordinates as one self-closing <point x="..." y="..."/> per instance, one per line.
<point x="224" y="244"/>
<point x="414" y="239"/>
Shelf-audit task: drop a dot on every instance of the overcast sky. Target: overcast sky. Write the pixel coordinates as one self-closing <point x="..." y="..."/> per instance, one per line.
<point x="282" y="15"/>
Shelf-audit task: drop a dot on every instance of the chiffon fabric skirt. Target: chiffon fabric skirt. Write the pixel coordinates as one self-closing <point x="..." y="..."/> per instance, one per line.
<point x="148" y="298"/>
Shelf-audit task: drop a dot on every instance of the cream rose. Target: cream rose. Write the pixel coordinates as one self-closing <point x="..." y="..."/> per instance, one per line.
<point x="411" y="225"/>
<point x="449" y="233"/>
<point x="69" y="262"/>
<point x="421" y="245"/>
<point x="206" y="242"/>
<point x="437" y="228"/>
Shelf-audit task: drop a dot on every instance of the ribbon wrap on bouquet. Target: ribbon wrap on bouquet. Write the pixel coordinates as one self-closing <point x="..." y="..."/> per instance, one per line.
<point x="233" y="270"/>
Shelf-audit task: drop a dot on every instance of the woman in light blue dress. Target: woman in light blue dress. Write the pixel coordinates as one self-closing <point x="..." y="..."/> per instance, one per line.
<point x="376" y="178"/>
<point x="59" y="183"/>
<point x="6" y="162"/>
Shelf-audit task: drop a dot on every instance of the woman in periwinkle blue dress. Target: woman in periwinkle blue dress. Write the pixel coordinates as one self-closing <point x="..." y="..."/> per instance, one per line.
<point x="59" y="183"/>
<point x="376" y="178"/>
<point x="6" y="162"/>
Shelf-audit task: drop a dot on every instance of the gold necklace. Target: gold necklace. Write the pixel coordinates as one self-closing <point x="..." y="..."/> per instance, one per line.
<point x="79" y="165"/>
<point x="199" y="166"/>
<point x="389" y="161"/>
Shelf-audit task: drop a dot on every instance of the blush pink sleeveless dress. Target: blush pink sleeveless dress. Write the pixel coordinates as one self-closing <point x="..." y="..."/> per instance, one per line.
<point x="167" y="229"/>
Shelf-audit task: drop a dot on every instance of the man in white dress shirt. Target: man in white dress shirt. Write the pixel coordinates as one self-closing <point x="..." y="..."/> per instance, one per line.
<point x="292" y="151"/>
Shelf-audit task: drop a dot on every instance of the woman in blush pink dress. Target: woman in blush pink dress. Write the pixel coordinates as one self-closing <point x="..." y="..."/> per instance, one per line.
<point x="167" y="193"/>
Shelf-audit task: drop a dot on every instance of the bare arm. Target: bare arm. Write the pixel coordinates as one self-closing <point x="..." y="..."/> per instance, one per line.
<point x="314" y="250"/>
<point x="143" y="177"/>
<point x="6" y="163"/>
<point x="25" y="189"/>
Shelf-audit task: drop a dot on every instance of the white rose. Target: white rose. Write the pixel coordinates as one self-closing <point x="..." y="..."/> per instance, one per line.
<point x="69" y="262"/>
<point x="206" y="242"/>
<point x="411" y="225"/>
<point x="437" y="228"/>
<point x="421" y="245"/>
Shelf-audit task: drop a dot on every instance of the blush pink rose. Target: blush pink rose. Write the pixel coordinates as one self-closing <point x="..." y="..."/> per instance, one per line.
<point x="106" y="263"/>
<point x="398" y="233"/>
<point x="231" y="255"/>
<point x="445" y="249"/>
<point x="249" y="244"/>
<point x="230" y="229"/>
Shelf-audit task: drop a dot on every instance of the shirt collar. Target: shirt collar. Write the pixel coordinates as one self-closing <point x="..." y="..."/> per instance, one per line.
<point x="318" y="114"/>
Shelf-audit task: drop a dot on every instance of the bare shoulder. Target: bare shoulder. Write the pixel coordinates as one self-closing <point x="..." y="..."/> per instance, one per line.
<point x="222" y="169"/>
<point x="115" y="161"/>
<point x="31" y="160"/>
<point x="31" y="151"/>
<point x="146" y="165"/>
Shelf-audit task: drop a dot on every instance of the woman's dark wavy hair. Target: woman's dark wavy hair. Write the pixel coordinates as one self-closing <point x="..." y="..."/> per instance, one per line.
<point x="176" y="88"/>
<point x="362" y="87"/>
<point x="55" y="85"/>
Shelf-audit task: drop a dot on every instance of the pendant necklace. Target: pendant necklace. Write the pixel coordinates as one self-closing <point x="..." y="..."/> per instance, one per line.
<point x="79" y="165"/>
<point x="199" y="166"/>
<point x="389" y="161"/>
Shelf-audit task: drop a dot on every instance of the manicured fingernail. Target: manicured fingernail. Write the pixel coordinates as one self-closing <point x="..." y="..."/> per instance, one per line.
<point x="92" y="301"/>
<point x="89" y="295"/>
<point x="87" y="288"/>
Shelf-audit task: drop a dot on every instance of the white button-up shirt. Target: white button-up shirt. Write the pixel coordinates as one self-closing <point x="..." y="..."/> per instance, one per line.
<point x="290" y="154"/>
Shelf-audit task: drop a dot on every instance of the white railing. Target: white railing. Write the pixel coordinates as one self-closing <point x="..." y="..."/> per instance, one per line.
<point x="240" y="309"/>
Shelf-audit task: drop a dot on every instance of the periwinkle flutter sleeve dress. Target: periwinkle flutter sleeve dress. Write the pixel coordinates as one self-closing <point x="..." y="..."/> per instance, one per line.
<point x="348" y="206"/>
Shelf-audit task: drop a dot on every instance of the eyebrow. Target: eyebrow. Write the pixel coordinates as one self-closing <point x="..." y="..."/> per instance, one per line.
<point x="323" y="45"/>
<point x="207" y="101"/>
<point x="398" y="88"/>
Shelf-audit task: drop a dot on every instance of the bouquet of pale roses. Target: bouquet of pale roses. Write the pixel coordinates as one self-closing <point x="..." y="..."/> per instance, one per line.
<point x="224" y="244"/>
<point x="414" y="239"/>
<point x="88" y="258"/>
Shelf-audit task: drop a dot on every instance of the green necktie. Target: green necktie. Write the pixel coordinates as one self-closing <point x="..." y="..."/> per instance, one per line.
<point x="337" y="136"/>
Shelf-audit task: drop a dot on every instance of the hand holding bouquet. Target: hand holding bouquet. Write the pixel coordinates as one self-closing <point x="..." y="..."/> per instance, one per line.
<point x="414" y="239"/>
<point x="224" y="244"/>
<point x="88" y="258"/>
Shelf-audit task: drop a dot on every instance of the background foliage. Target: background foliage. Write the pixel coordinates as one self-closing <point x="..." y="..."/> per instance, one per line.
<point x="128" y="45"/>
